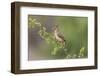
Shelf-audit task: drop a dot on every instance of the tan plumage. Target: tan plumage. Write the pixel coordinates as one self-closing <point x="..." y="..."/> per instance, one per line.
<point x="58" y="36"/>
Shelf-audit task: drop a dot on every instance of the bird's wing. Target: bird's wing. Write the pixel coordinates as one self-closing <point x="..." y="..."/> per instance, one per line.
<point x="61" y="36"/>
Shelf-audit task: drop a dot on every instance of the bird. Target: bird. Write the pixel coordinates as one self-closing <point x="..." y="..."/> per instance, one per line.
<point x="58" y="36"/>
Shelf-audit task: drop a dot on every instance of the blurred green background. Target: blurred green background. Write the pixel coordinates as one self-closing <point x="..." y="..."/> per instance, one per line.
<point x="74" y="29"/>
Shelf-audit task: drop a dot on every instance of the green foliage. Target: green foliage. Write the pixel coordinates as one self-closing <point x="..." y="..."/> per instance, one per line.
<point x="81" y="53"/>
<point x="49" y="38"/>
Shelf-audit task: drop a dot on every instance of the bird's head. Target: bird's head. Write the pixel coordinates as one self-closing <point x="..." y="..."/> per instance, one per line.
<point x="55" y="27"/>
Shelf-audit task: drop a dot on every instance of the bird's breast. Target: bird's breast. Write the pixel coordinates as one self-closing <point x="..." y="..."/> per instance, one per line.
<point x="57" y="37"/>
